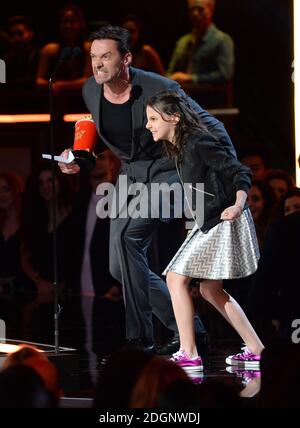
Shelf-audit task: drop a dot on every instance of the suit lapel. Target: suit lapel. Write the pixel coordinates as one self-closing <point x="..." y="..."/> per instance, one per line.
<point x="98" y="107"/>
<point x="99" y="94"/>
<point x="137" y="110"/>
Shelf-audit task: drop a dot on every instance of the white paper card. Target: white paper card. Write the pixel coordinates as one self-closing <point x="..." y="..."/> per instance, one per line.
<point x="69" y="159"/>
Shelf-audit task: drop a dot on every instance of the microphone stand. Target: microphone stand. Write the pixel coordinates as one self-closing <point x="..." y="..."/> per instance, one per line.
<point x="65" y="54"/>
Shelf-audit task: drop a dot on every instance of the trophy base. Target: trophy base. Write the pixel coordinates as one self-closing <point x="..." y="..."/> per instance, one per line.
<point x="86" y="160"/>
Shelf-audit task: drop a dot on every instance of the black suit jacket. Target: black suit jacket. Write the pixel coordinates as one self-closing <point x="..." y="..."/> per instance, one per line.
<point x="148" y="161"/>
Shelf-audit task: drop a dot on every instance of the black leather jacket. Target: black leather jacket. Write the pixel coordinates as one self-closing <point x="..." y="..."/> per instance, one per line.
<point x="148" y="160"/>
<point x="206" y="161"/>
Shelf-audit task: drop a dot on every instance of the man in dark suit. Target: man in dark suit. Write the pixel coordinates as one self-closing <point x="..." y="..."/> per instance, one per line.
<point x="116" y="96"/>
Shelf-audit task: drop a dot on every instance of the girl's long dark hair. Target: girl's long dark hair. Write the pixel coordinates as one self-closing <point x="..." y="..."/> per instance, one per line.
<point x="16" y="185"/>
<point x="171" y="103"/>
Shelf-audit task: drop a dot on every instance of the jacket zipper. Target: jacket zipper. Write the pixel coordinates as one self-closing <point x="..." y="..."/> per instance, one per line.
<point x="202" y="191"/>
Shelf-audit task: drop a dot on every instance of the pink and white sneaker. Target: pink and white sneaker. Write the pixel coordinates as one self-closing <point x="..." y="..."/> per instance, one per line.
<point x="183" y="360"/>
<point x="244" y="359"/>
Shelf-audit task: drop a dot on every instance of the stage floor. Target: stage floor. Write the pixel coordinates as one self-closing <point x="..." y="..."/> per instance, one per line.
<point x="86" y="338"/>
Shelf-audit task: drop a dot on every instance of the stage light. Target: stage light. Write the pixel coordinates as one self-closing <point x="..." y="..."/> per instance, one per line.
<point x="74" y="117"/>
<point x="24" y="118"/>
<point x="5" y="348"/>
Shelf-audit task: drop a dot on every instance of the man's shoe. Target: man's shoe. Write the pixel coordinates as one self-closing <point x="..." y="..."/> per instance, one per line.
<point x="170" y="347"/>
<point x="142" y="346"/>
<point x="202" y="343"/>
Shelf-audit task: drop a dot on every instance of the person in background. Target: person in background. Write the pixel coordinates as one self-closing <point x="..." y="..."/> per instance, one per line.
<point x="280" y="181"/>
<point x="206" y="54"/>
<point x="262" y="203"/>
<point x="72" y="33"/>
<point x="257" y="159"/>
<point x="11" y="188"/>
<point x="37" y="229"/>
<point x="144" y="56"/>
<point x="23" y="55"/>
<point x="289" y="202"/>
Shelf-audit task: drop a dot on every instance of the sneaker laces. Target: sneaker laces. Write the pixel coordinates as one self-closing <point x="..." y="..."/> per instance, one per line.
<point x="178" y="355"/>
<point x="246" y="351"/>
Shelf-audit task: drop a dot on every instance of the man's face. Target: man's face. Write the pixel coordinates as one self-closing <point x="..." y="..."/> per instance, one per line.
<point x="200" y="12"/>
<point x="256" y="164"/>
<point x="107" y="62"/>
<point x="20" y="35"/>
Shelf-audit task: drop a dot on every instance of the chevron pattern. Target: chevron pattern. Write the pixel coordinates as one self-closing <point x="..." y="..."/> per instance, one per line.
<point x="229" y="250"/>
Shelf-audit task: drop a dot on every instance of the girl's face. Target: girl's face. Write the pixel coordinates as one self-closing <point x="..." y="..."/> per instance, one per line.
<point x="161" y="127"/>
<point x="256" y="202"/>
<point x="279" y="186"/>
<point x="6" y="195"/>
<point x="45" y="185"/>
<point x="292" y="205"/>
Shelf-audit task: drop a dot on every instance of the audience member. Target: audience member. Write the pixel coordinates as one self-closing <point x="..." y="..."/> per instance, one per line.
<point x="206" y="54"/>
<point x="261" y="200"/>
<point x="23" y="56"/>
<point x="118" y="377"/>
<point x="280" y="382"/>
<point x="289" y="202"/>
<point x="29" y="355"/>
<point x="11" y="187"/>
<point x="182" y="394"/>
<point x="154" y="379"/>
<point x="21" y="387"/>
<point x="257" y="159"/>
<point x="72" y="73"/>
<point x="144" y="55"/>
<point x="37" y="239"/>
<point x="215" y="394"/>
<point x="280" y="181"/>
<point x="92" y="292"/>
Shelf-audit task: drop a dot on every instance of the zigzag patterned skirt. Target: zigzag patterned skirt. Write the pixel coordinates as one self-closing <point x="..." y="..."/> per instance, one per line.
<point x="227" y="251"/>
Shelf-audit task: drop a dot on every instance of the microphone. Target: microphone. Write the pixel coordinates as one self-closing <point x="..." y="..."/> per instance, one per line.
<point x="65" y="54"/>
<point x="77" y="52"/>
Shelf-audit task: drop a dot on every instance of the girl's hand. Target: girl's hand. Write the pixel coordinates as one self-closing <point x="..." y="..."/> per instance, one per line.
<point x="231" y="213"/>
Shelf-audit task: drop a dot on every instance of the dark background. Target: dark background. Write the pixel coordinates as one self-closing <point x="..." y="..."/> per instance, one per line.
<point x="262" y="32"/>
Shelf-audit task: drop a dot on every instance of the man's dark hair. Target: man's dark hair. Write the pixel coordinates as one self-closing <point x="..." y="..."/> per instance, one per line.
<point x="19" y="19"/>
<point x="119" y="34"/>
